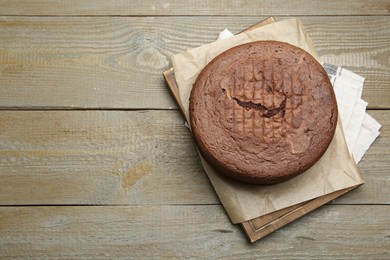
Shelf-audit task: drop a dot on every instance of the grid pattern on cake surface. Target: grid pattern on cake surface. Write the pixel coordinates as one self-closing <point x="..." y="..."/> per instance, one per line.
<point x="250" y="85"/>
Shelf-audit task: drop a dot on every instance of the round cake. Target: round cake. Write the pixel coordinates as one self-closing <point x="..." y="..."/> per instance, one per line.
<point x="263" y="112"/>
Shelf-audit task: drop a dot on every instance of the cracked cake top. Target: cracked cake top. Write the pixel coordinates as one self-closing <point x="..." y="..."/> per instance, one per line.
<point x="263" y="112"/>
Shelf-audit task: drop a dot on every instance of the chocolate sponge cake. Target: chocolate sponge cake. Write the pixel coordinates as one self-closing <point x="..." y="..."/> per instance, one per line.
<point x="263" y="112"/>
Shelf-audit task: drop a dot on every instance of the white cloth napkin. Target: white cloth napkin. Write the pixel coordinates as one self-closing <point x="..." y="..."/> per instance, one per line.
<point x="225" y="34"/>
<point x="360" y="129"/>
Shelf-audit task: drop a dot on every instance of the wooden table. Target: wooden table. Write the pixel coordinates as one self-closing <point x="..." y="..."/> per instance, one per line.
<point x="95" y="161"/>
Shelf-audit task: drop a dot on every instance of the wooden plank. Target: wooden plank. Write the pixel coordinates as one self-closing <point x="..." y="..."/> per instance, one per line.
<point x="197" y="7"/>
<point x="116" y="62"/>
<point x="99" y="157"/>
<point x="361" y="55"/>
<point x="177" y="232"/>
<point x="128" y="157"/>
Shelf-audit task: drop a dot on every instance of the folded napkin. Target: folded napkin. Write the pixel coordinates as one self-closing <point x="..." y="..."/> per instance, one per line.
<point x="359" y="127"/>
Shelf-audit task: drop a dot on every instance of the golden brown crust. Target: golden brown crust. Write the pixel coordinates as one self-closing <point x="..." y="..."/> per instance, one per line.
<point x="263" y="112"/>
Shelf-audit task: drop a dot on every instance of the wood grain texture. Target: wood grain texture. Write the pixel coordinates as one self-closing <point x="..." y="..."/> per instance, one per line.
<point x="99" y="157"/>
<point x="195" y="7"/>
<point x="133" y="177"/>
<point x="116" y="62"/>
<point x="177" y="232"/>
<point x="129" y="157"/>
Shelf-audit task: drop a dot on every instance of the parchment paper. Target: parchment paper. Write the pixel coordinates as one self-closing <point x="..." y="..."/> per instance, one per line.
<point x="336" y="170"/>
